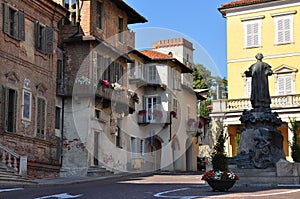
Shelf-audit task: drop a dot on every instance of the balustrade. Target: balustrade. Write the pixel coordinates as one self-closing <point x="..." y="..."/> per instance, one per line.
<point x="276" y="102"/>
<point x="14" y="161"/>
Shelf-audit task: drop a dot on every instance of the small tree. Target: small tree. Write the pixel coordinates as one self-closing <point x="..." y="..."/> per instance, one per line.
<point x="295" y="153"/>
<point x="219" y="157"/>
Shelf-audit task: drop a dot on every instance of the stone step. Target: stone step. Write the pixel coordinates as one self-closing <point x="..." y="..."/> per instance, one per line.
<point x="98" y="171"/>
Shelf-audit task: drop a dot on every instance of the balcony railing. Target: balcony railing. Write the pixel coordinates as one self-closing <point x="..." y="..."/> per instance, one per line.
<point x="153" y="117"/>
<point x="283" y="101"/>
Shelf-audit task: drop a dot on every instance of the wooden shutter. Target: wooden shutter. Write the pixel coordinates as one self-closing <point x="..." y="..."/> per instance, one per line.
<point x="288" y="85"/>
<point x="280" y="35"/>
<point x="48" y="40"/>
<point x="5" y="18"/>
<point x="280" y="85"/>
<point x="15" y="104"/>
<point x="5" y="108"/>
<point x="37" y="30"/>
<point x="287" y="30"/>
<point x="158" y="99"/>
<point x="41" y="118"/>
<point x="21" y="26"/>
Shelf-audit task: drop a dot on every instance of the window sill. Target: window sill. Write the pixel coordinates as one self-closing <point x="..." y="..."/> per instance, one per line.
<point x="285" y="43"/>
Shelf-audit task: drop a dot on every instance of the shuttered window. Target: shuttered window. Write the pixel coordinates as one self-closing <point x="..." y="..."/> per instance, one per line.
<point x="40" y="117"/>
<point x="26" y="106"/>
<point x="152" y="74"/>
<point x="284" y="29"/>
<point x="13" y="22"/>
<point x="121" y="30"/>
<point x="100" y="15"/>
<point x="252" y="33"/>
<point x="284" y="85"/>
<point x="43" y="38"/>
<point x="248" y="87"/>
<point x="10" y="109"/>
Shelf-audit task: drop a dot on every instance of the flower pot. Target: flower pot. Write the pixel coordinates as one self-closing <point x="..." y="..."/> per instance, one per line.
<point x="220" y="185"/>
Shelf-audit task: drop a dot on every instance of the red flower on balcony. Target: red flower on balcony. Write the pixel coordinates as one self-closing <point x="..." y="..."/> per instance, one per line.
<point x="142" y="112"/>
<point x="157" y="114"/>
<point x="135" y="97"/>
<point x="173" y="113"/>
<point x="105" y="83"/>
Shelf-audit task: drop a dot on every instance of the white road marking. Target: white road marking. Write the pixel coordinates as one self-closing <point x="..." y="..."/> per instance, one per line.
<point x="60" y="196"/>
<point x="163" y="194"/>
<point x="273" y="194"/>
<point x="160" y="195"/>
<point x="7" y="190"/>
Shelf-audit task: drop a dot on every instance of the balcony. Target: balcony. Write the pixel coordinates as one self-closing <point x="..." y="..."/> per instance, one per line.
<point x="277" y="102"/>
<point x="146" y="117"/>
<point x="122" y="99"/>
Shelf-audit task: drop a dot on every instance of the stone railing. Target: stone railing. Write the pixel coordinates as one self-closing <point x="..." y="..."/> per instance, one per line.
<point x="14" y="161"/>
<point x="276" y="102"/>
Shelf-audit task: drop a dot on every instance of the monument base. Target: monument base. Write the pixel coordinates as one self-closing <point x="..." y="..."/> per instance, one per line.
<point x="261" y="144"/>
<point x="283" y="173"/>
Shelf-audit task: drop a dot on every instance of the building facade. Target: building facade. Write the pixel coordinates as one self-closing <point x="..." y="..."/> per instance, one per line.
<point x="160" y="77"/>
<point x="28" y="45"/>
<point x="93" y="90"/>
<point x="271" y="28"/>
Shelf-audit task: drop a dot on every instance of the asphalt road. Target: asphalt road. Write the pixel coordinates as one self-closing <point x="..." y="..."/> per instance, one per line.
<point x="150" y="187"/>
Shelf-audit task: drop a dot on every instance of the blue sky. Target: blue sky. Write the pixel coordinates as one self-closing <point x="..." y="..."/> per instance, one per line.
<point x="198" y="21"/>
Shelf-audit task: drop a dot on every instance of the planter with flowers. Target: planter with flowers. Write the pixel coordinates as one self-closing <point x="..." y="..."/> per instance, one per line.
<point x="220" y="178"/>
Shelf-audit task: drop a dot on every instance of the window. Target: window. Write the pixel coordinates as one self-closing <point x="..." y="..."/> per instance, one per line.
<point x="283" y="29"/>
<point x="152" y="74"/>
<point x="97" y="113"/>
<point x="26" y="106"/>
<point x="133" y="147"/>
<point x="141" y="70"/>
<point x="121" y="30"/>
<point x="142" y="148"/>
<point x="57" y="117"/>
<point x="43" y="38"/>
<point x="13" y="23"/>
<point x="247" y="87"/>
<point x="175" y="106"/>
<point x="59" y="72"/>
<point x="176" y="79"/>
<point x="152" y="104"/>
<point x="10" y="109"/>
<point x="284" y="84"/>
<point x="114" y="72"/>
<point x="40" y="117"/>
<point x="252" y="33"/>
<point x="118" y="134"/>
<point x="132" y="70"/>
<point x="100" y="15"/>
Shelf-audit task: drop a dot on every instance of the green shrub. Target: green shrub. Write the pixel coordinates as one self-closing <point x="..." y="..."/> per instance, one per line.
<point x="219" y="157"/>
<point x="295" y="148"/>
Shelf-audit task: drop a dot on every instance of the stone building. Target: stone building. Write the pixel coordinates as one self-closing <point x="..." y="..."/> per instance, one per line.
<point x="162" y="78"/>
<point x="28" y="54"/>
<point x="92" y="92"/>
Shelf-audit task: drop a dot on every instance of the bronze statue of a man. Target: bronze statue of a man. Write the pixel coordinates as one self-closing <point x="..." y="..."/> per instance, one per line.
<point x="260" y="96"/>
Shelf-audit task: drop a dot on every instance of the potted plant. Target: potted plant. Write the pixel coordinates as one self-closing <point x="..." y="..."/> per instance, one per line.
<point x="220" y="178"/>
<point x="295" y="148"/>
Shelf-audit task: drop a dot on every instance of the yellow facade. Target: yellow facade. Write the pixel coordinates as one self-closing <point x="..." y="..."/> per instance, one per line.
<point x="273" y="29"/>
<point x="240" y="58"/>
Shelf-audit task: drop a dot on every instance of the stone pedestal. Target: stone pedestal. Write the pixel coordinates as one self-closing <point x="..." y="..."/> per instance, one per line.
<point x="261" y="144"/>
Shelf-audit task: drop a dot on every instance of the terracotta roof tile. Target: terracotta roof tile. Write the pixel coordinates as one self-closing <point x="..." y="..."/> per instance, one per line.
<point x="155" y="55"/>
<point x="243" y="2"/>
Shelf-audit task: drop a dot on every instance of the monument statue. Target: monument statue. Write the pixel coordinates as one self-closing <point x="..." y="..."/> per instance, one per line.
<point x="261" y="144"/>
<point x="260" y="97"/>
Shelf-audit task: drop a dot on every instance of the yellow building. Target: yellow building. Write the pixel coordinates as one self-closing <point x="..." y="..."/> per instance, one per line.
<point x="272" y="28"/>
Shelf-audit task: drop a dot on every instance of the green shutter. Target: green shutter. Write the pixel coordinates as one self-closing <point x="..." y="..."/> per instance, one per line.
<point x="48" y="40"/>
<point x="6" y="100"/>
<point x="5" y="18"/>
<point x="21" y="26"/>
<point x="37" y="35"/>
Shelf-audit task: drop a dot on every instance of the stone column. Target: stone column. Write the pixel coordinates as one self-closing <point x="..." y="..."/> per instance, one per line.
<point x="167" y="157"/>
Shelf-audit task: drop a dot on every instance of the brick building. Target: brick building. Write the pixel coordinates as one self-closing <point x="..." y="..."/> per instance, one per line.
<point x="92" y="92"/>
<point x="28" y="54"/>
